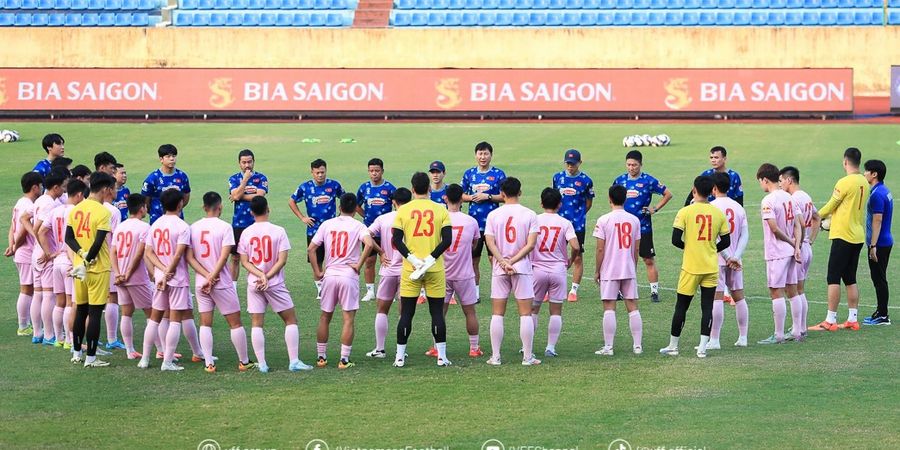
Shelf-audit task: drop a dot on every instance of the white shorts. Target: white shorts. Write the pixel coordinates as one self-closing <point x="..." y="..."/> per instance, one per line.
<point x="26" y="275"/>
<point x="610" y="289"/>
<point x="781" y="272"/>
<point x="806" y="256"/>
<point x="62" y="282"/>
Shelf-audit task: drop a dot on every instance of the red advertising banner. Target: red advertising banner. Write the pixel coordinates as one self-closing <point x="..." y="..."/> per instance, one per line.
<point x="448" y="90"/>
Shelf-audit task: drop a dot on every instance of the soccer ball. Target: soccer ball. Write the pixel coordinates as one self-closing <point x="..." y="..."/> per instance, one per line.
<point x="638" y="141"/>
<point x="646" y="139"/>
<point x="663" y="139"/>
<point x="654" y="142"/>
<point x="826" y="223"/>
<point x="628" y="141"/>
<point x="9" y="136"/>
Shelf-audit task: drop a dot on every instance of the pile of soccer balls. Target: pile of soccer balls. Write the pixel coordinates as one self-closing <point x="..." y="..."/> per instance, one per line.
<point x="9" y="135"/>
<point x="645" y="140"/>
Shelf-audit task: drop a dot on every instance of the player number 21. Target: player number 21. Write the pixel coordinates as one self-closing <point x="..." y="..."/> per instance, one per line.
<point x="705" y="222"/>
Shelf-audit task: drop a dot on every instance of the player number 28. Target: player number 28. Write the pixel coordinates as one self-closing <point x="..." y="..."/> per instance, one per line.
<point x="163" y="246"/>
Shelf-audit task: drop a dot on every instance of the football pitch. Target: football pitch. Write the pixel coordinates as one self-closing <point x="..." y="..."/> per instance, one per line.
<point x="834" y="390"/>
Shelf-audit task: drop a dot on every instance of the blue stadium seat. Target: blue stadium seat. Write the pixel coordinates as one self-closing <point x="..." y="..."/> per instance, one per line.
<point x="334" y="20"/>
<point x="794" y="4"/>
<point x="571" y="19"/>
<point x="588" y="19"/>
<point x="204" y="4"/>
<point x="709" y="4"/>
<point x="268" y="4"/>
<point x="707" y="18"/>
<point x="659" y="4"/>
<point x="399" y="19"/>
<point x="846" y="3"/>
<point x="442" y="4"/>
<point x="417" y="19"/>
<point x="146" y="5"/>
<point x="638" y="18"/>
<point x="758" y="18"/>
<point x="222" y="4"/>
<point x="106" y="20"/>
<point x="537" y="19"/>
<point x="743" y="4"/>
<point x="607" y="4"/>
<point x="724" y="18"/>
<point x="862" y="18"/>
<point x="113" y="5"/>
<point x="554" y="19"/>
<point x="486" y="19"/>
<point x="829" y="4"/>
<point x="56" y="20"/>
<point x="469" y="19"/>
<point x="405" y="4"/>
<point x="249" y="19"/>
<point x="489" y="4"/>
<point x="690" y="18"/>
<point x="28" y="4"/>
<point x="45" y="4"/>
<point x="894" y="3"/>
<point x="811" y="4"/>
<point x="302" y="19"/>
<point x="675" y="4"/>
<point x="810" y="18"/>
<point x="622" y="18"/>
<point x="23" y="19"/>
<point x="93" y="5"/>
<point x="8" y="19"/>
<point x="844" y="17"/>
<point x="123" y="19"/>
<point x="520" y="19"/>
<point x="90" y="20"/>
<point x="73" y="20"/>
<point x="673" y="18"/>
<point x="624" y="4"/>
<point x="605" y="18"/>
<point x="725" y="4"/>
<point x="473" y="4"/>
<point x="339" y="4"/>
<point x="793" y="18"/>
<point x="200" y="19"/>
<point x="540" y="4"/>
<point x="777" y="4"/>
<point x="760" y="4"/>
<point x="233" y="19"/>
<point x="453" y="19"/>
<point x="656" y="18"/>
<point x="190" y="4"/>
<point x="11" y="4"/>
<point x="140" y="20"/>
<point x="506" y="4"/>
<point x="267" y="19"/>
<point x="641" y="4"/>
<point x="39" y="20"/>
<point x="741" y="18"/>
<point x="867" y="3"/>
<point x="776" y="18"/>
<point x="556" y="4"/>
<point x="504" y="19"/>
<point x="435" y="19"/>
<point x="574" y="4"/>
<point x="691" y="4"/>
<point x="894" y="17"/>
<point x="877" y="17"/>
<point x="217" y="19"/>
<point x="420" y="4"/>
<point x="457" y="4"/>
<point x="127" y="5"/>
<point x="77" y="5"/>
<point x="254" y="4"/>
<point x="591" y="4"/>
<point x="290" y="4"/>
<point x="827" y="18"/>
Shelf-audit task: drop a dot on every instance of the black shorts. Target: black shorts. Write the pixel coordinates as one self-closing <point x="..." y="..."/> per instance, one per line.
<point x="237" y="238"/>
<point x="320" y="252"/>
<point x="580" y="236"/>
<point x="842" y="262"/>
<point x="480" y="247"/>
<point x="646" y="250"/>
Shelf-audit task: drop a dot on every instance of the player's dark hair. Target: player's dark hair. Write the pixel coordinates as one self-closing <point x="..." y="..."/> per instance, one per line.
<point x="135" y="202"/>
<point x="211" y="199"/>
<point x="166" y="150"/>
<point x="80" y="171"/>
<point x="62" y="161"/>
<point x="246" y="152"/>
<point x="617" y="194"/>
<point x="118" y="165"/>
<point x="74" y="186"/>
<point x="104" y="159"/>
<point x="719" y="149"/>
<point x="30" y="180"/>
<point x="376" y="162"/>
<point x="420" y="182"/>
<point x="635" y="155"/>
<point x="511" y="186"/>
<point x="454" y="193"/>
<point x="483" y="145"/>
<point x="101" y="180"/>
<point x="60" y="172"/>
<point x="319" y="162"/>
<point x="348" y="203"/>
<point x="877" y="167"/>
<point x="767" y="172"/>
<point x="50" y="140"/>
<point x="54" y="179"/>
<point x="550" y="198"/>
<point x="722" y="181"/>
<point x="853" y="156"/>
<point x="790" y="172"/>
<point x="170" y="198"/>
<point x="259" y="206"/>
<point x="402" y="196"/>
<point x="703" y="185"/>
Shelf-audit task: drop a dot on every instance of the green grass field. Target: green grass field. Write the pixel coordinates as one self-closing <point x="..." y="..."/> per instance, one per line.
<point x="835" y="390"/>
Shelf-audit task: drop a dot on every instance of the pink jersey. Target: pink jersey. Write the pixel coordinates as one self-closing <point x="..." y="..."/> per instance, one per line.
<point x="510" y="226"/>
<point x="23" y="253"/>
<point x="807" y="208"/>
<point x="383" y="229"/>
<point x="164" y="237"/>
<point x="620" y="232"/>
<point x="40" y="212"/>
<point x="262" y="242"/>
<point x="127" y="238"/>
<point x="342" y="238"/>
<point x="208" y="236"/>
<point x="56" y="223"/>
<point x="550" y="253"/>
<point x="736" y="216"/>
<point x="458" y="258"/>
<point x="115" y="216"/>
<point x="778" y="205"/>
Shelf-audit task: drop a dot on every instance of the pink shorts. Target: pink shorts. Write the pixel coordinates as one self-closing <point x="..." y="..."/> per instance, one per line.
<point x="464" y="290"/>
<point x="277" y="297"/>
<point x="342" y="291"/>
<point x="43" y="275"/>
<point x="388" y="288"/>
<point x="173" y="298"/>
<point x="806" y="256"/>
<point x="225" y="299"/>
<point x="781" y="272"/>
<point x="731" y="279"/>
<point x="520" y="285"/>
<point x="140" y="295"/>
<point x="610" y="289"/>
<point x="113" y="289"/>
<point x="26" y="276"/>
<point x="552" y="284"/>
<point x="62" y="282"/>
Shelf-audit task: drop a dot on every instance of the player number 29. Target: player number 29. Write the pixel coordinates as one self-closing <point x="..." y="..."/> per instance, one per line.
<point x="124" y="241"/>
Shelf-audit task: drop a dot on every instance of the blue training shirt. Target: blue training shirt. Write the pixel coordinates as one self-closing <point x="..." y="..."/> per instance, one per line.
<point x="157" y="182"/>
<point x="576" y="191"/>
<point x="321" y="201"/>
<point x="374" y="200"/>
<point x="121" y="201"/>
<point x="42" y="167"/>
<point x="438" y="196"/>
<point x="735" y="189"/>
<point x="475" y="181"/>
<point x="640" y="190"/>
<point x="242" y="217"/>
<point x="881" y="201"/>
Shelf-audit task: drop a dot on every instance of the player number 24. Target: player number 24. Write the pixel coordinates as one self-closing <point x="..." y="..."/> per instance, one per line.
<point x="83" y="228"/>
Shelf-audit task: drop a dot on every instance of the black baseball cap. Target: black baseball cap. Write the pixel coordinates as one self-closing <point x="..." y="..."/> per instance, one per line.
<point x="572" y="156"/>
<point x="438" y="166"/>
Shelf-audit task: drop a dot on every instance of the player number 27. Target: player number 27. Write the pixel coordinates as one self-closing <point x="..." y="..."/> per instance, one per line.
<point x="428" y="217"/>
<point x="705" y="222"/>
<point x="545" y="236"/>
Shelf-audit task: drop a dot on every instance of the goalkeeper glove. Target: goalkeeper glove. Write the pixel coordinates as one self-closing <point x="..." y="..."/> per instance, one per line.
<point x="415" y="261"/>
<point x="78" y="271"/>
<point x="420" y="272"/>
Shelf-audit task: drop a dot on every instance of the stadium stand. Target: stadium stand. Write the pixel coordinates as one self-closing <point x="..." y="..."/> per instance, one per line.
<point x="264" y="13"/>
<point x="84" y="13"/>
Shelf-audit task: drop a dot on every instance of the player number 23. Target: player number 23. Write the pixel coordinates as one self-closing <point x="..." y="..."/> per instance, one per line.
<point x="426" y="216"/>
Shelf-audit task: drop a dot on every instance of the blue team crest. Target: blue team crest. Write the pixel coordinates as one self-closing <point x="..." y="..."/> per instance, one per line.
<point x="384" y="192"/>
<point x="178" y="180"/>
<point x="577" y="183"/>
<point x="640" y="185"/>
<point x="327" y="189"/>
<point x="490" y="178"/>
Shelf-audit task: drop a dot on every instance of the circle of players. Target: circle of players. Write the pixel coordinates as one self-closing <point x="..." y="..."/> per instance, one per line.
<point x="429" y="249"/>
